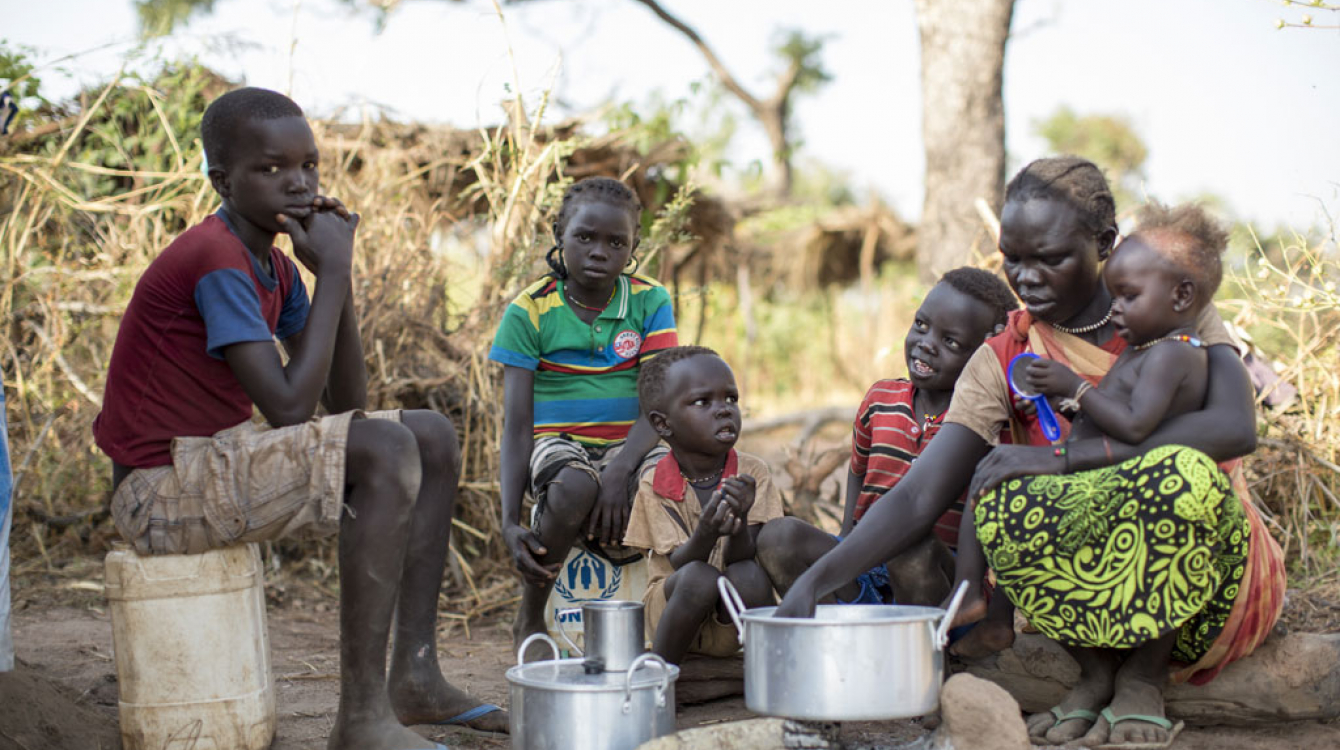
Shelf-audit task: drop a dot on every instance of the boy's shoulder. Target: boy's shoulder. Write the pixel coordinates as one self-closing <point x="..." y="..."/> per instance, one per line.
<point x="211" y="246"/>
<point x="639" y="283"/>
<point x="890" y="390"/>
<point x="752" y="465"/>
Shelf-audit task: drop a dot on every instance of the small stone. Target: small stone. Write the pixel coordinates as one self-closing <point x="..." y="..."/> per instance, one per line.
<point x="979" y="715"/>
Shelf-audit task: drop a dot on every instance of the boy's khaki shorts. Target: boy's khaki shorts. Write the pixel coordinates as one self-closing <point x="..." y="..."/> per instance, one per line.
<point x="248" y="483"/>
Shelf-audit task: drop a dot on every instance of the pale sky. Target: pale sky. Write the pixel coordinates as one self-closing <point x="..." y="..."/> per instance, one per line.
<point x="1226" y="103"/>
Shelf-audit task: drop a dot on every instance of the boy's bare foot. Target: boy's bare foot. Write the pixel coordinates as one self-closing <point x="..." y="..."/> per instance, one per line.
<point x="376" y="734"/>
<point x="987" y="638"/>
<point x="424" y="697"/>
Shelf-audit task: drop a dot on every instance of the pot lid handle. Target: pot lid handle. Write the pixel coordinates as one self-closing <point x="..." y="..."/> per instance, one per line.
<point x="521" y="652"/>
<point x="942" y="632"/>
<point x="660" y="689"/>
<point x="734" y="604"/>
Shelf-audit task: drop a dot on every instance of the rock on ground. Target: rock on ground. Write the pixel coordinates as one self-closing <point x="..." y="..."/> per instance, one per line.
<point x="978" y="715"/>
<point x="755" y="734"/>
<point x="1290" y="678"/>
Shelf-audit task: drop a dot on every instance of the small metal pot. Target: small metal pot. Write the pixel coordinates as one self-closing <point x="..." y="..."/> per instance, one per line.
<point x="851" y="662"/>
<point x="612" y="632"/>
<point x="562" y="704"/>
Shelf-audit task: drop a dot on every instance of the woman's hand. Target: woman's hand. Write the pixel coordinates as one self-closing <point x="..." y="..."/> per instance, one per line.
<point x="1006" y="462"/>
<point x="799" y="600"/>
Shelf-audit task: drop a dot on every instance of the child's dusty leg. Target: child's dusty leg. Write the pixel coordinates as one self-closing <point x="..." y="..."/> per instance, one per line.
<point x="993" y="633"/>
<point x="748" y="578"/>
<point x="418" y="691"/>
<point x="690" y="596"/>
<point x="917" y="575"/>
<point x="787" y="547"/>
<point x="970" y="566"/>
<point x="383" y="478"/>
<point x="568" y="501"/>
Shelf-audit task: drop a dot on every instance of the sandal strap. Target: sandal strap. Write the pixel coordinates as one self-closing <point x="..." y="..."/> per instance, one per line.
<point x="1157" y="721"/>
<point x="1079" y="713"/>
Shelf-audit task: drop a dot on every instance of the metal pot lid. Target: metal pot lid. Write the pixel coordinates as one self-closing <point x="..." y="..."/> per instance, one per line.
<point x="568" y="675"/>
<point x="847" y="614"/>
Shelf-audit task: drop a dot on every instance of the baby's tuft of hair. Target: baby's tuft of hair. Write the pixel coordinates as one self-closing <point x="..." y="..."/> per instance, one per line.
<point x="226" y="114"/>
<point x="651" y="374"/>
<point x="591" y="189"/>
<point x="1071" y="180"/>
<point x="1188" y="237"/>
<point x="985" y="287"/>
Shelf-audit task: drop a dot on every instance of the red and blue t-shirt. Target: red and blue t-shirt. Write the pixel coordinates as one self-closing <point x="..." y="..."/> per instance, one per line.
<point x="167" y="376"/>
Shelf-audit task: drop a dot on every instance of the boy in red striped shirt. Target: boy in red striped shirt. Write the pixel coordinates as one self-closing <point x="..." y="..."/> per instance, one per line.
<point x="896" y="420"/>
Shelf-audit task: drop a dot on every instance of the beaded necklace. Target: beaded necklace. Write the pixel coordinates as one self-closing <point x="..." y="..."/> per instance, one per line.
<point x="585" y="306"/>
<point x="1192" y="340"/>
<point x="1085" y="329"/>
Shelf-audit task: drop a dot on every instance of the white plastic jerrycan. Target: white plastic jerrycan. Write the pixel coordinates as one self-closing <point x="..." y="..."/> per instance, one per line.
<point x="192" y="653"/>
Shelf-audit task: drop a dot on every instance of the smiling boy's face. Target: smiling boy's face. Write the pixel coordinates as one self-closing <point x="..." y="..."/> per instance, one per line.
<point x="272" y="170"/>
<point x="947" y="329"/>
<point x="701" y="411"/>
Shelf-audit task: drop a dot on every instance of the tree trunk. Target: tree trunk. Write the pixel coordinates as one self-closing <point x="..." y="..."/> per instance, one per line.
<point x="962" y="126"/>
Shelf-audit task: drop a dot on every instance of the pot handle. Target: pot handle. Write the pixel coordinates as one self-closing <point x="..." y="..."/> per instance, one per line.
<point x="563" y="630"/>
<point x="942" y="632"/>
<point x="521" y="652"/>
<point x="734" y="604"/>
<point x="660" y="689"/>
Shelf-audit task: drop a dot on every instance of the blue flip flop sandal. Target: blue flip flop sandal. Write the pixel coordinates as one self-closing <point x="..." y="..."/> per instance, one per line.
<point x="468" y="716"/>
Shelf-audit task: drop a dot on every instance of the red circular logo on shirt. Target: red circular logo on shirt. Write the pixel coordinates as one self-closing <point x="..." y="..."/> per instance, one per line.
<point x="627" y="344"/>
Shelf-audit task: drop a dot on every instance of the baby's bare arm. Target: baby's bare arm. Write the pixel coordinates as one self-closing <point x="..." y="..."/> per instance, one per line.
<point x="1164" y="375"/>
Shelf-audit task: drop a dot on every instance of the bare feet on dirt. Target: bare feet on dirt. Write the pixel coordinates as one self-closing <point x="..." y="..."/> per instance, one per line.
<point x="382" y="733"/>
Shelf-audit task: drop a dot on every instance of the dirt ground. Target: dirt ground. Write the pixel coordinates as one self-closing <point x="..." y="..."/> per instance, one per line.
<point x="63" y="696"/>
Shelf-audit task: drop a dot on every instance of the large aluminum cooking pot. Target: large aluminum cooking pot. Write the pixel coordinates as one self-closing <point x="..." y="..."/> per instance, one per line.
<point x="851" y="662"/>
<point x="562" y="705"/>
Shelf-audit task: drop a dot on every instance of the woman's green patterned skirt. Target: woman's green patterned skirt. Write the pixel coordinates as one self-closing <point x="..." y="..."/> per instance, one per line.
<point x="1118" y="556"/>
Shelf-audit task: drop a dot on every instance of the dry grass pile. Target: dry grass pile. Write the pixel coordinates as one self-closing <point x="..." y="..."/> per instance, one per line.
<point x="453" y="223"/>
<point x="1286" y="299"/>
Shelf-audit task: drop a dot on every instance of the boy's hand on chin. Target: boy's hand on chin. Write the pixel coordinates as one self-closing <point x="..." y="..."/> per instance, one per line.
<point x="324" y="240"/>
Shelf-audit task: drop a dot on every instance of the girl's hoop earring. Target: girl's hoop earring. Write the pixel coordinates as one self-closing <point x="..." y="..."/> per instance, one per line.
<point x="636" y="264"/>
<point x="554" y="257"/>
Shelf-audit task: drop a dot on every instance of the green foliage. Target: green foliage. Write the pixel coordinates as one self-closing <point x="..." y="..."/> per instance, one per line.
<point x="703" y="121"/>
<point x="148" y="130"/>
<point x="162" y="17"/>
<point x="804" y="53"/>
<point x="16" y="74"/>
<point x="1109" y="141"/>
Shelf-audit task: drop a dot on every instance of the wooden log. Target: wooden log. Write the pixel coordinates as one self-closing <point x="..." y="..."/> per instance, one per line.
<point x="1290" y="678"/>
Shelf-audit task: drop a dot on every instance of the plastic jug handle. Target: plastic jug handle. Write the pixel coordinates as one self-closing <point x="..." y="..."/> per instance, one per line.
<point x="734" y="604"/>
